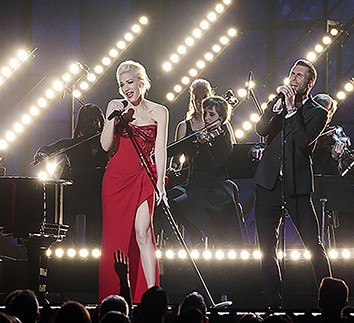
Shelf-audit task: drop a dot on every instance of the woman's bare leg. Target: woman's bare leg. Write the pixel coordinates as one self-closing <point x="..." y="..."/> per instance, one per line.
<point x="145" y="243"/>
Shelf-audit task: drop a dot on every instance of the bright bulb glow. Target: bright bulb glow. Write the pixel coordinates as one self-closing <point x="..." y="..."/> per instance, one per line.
<point x="34" y="111"/>
<point x="326" y="40"/>
<point x="106" y="61"/>
<point x="26" y="119"/>
<point x="224" y="40"/>
<point x="264" y="106"/>
<point x="121" y="44"/>
<point x="219" y="8"/>
<point x="182" y="254"/>
<point x="170" y="96"/>
<point x="346" y="254"/>
<point x="219" y="255"/>
<point x="189" y="41"/>
<point x="311" y="56"/>
<point x="14" y="63"/>
<point x="208" y="56"/>
<point x="51" y="167"/>
<point x="76" y="93"/>
<point x="200" y="64"/>
<point x="307" y="254"/>
<point x="128" y="37"/>
<point x="211" y="16"/>
<point x="113" y="53"/>
<point x="185" y="80"/>
<point x="227" y="2"/>
<point x="182" y="49"/>
<point x="10" y="136"/>
<point x="136" y="29"/>
<point x="257" y="254"/>
<point x="280" y="254"/>
<point x="167" y="66"/>
<point x="18" y="127"/>
<point x="244" y="254"/>
<point x="242" y="93"/>
<point x="96" y="253"/>
<point x="254" y="117"/>
<point x="91" y="77"/>
<point x="84" y="86"/>
<point x="286" y="81"/>
<point x="348" y="87"/>
<point x="207" y="254"/>
<point x="144" y="20"/>
<point x="216" y="48"/>
<point x="83" y="253"/>
<point x="170" y="254"/>
<point x="334" y="32"/>
<point x="42" y="175"/>
<point x="48" y="252"/>
<point x="22" y="54"/>
<point x="3" y="144"/>
<point x="71" y="253"/>
<point x="177" y="88"/>
<point x="239" y="134"/>
<point x="182" y="159"/>
<point x="231" y="254"/>
<point x="59" y="252"/>
<point x="232" y="32"/>
<point x="247" y="125"/>
<point x="195" y="254"/>
<point x="6" y="71"/>
<point x="58" y="85"/>
<point x="271" y="97"/>
<point x="66" y="77"/>
<point x="50" y="94"/>
<point x="204" y="24"/>
<point x="42" y="102"/>
<point x="251" y="84"/>
<point x="333" y="254"/>
<point x="193" y="72"/>
<point x="158" y="254"/>
<point x="174" y="58"/>
<point x="341" y="95"/>
<point x="74" y="68"/>
<point x="197" y="33"/>
<point x="98" y="69"/>
<point x="1" y="80"/>
<point x="295" y="255"/>
<point x="318" y="48"/>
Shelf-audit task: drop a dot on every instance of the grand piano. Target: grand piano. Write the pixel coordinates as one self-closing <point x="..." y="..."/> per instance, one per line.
<point x="31" y="211"/>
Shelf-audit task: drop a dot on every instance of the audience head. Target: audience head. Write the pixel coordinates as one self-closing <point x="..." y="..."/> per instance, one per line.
<point x="328" y="103"/>
<point x="114" y="317"/>
<point x="250" y="318"/>
<point x="24" y="305"/>
<point x="72" y="312"/>
<point x="9" y="298"/>
<point x="199" y="90"/>
<point x="113" y="303"/>
<point x="193" y="300"/>
<point x="90" y="120"/>
<point x="192" y="315"/>
<point x="153" y="305"/>
<point x="333" y="296"/>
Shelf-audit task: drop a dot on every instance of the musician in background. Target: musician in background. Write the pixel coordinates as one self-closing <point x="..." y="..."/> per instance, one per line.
<point x="84" y="164"/>
<point x="332" y="143"/>
<point x="208" y="203"/>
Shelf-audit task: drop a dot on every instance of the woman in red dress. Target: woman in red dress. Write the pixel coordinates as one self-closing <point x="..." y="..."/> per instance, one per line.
<point x="128" y="195"/>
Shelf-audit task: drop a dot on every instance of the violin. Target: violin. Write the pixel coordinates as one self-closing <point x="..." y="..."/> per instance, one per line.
<point x="208" y="136"/>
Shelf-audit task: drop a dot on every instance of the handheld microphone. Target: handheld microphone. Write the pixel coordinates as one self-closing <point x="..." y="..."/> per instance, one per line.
<point x="117" y="113"/>
<point x="280" y="95"/>
<point x="249" y="84"/>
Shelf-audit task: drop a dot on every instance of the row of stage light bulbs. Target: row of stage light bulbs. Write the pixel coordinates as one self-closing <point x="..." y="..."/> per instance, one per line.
<point x="205" y="254"/>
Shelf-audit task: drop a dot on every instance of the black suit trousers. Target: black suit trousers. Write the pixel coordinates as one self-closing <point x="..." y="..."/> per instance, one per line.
<point x="268" y="214"/>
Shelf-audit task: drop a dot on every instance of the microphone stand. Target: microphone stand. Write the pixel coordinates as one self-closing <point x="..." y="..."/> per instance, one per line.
<point x="165" y="206"/>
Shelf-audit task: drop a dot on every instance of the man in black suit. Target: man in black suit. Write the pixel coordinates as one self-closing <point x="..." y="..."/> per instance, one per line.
<point x="291" y="124"/>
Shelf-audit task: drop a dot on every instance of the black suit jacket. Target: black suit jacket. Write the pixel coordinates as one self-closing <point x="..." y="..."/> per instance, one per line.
<point x="300" y="132"/>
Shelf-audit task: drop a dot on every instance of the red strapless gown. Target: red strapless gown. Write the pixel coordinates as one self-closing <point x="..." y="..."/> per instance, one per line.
<point x="125" y="187"/>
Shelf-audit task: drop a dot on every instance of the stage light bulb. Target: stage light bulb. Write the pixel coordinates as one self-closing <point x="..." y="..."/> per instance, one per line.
<point x="271" y="97"/>
<point x="280" y="254"/>
<point x="346" y="254"/>
<point x="167" y="66"/>
<point x="211" y="16"/>
<point x="71" y="253"/>
<point x="200" y="64"/>
<point x="189" y="41"/>
<point x="216" y="48"/>
<point x="257" y="254"/>
<point x="42" y="102"/>
<point x="318" y="48"/>
<point x="74" y="68"/>
<point x="232" y="32"/>
<point x="182" y="49"/>
<point x="136" y="28"/>
<point x="227" y="2"/>
<point x="34" y="111"/>
<point x="224" y="40"/>
<point x="193" y="72"/>
<point x="197" y="33"/>
<point x="128" y="37"/>
<point x="1" y="80"/>
<point x="177" y="88"/>
<point x="232" y="254"/>
<point x="254" y="117"/>
<point x="295" y="255"/>
<point x="185" y="80"/>
<point x="207" y="254"/>
<point x="219" y="8"/>
<point x="84" y="86"/>
<point x="174" y="58"/>
<point x="333" y="254"/>
<point x="311" y="56"/>
<point x="83" y="253"/>
<point x="286" y="81"/>
<point x="96" y="253"/>
<point x="144" y="20"/>
<point x="244" y="254"/>
<point x="326" y="40"/>
<point x="341" y="95"/>
<point x="121" y="44"/>
<point x="22" y="54"/>
<point x="307" y="254"/>
<point x="14" y="63"/>
<point x="51" y="167"/>
<point x="158" y="254"/>
<point x="66" y="77"/>
<point x="58" y="85"/>
<point x="334" y="32"/>
<point x="170" y="96"/>
<point x="208" y="56"/>
<point x="170" y="254"/>
<point x="242" y="93"/>
<point x="59" y="252"/>
<point x="6" y="71"/>
<point x="10" y="136"/>
<point x="3" y="144"/>
<point x="195" y="254"/>
<point x="50" y="94"/>
<point x="349" y="87"/>
<point x="76" y="93"/>
<point x="18" y="127"/>
<point x="42" y="175"/>
<point x="113" y="53"/>
<point x="239" y="134"/>
<point x="182" y="254"/>
<point x="219" y="255"/>
<point x="264" y="106"/>
<point x="106" y="61"/>
<point x="26" y="119"/>
<point x="48" y="252"/>
<point x="91" y="77"/>
<point x="247" y="126"/>
<point x="204" y="24"/>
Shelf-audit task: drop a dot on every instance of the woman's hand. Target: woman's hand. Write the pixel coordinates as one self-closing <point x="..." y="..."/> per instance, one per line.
<point x="161" y="195"/>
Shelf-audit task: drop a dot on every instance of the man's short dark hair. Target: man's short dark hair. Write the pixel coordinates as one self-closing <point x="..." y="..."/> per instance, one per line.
<point x="312" y="70"/>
